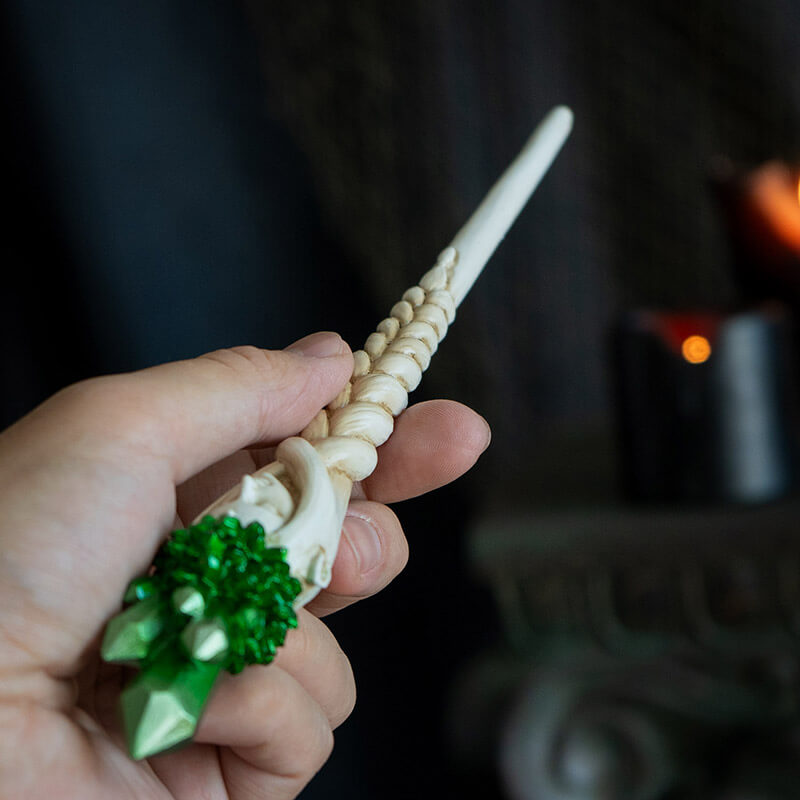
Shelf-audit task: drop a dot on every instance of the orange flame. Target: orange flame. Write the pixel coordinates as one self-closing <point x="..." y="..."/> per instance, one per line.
<point x="696" y="349"/>
<point x="775" y="197"/>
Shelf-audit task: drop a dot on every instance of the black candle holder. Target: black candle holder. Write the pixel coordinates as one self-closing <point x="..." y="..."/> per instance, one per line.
<point x="705" y="406"/>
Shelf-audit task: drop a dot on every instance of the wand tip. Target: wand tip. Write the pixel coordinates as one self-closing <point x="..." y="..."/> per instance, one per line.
<point x="561" y="116"/>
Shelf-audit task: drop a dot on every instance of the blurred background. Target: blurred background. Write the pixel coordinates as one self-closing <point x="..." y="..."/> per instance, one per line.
<point x="608" y="606"/>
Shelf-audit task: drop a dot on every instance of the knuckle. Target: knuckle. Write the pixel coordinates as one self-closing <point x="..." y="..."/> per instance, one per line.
<point x="402" y="553"/>
<point x="325" y="743"/>
<point x="109" y="406"/>
<point x="324" y="668"/>
<point x="271" y="368"/>
<point x="298" y="644"/>
<point x="245" y="358"/>
<point x="342" y="697"/>
<point x="316" y="750"/>
<point x="89" y="395"/>
<point x="347" y="697"/>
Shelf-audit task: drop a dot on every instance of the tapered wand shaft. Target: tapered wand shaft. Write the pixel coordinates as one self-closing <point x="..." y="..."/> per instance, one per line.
<point x="490" y="222"/>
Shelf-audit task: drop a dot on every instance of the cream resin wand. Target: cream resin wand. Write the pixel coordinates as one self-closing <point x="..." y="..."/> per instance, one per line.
<point x="222" y="593"/>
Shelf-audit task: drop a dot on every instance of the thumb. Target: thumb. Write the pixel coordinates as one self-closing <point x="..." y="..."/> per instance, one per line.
<point x="206" y="408"/>
<point x="189" y="414"/>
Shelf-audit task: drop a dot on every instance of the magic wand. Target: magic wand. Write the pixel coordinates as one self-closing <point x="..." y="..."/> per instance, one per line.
<point x="222" y="593"/>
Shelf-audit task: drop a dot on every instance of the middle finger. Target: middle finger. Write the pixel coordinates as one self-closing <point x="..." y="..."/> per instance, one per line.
<point x="313" y="657"/>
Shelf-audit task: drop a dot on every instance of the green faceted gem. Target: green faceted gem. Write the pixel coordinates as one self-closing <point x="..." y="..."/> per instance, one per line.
<point x="189" y="601"/>
<point x="205" y="639"/>
<point x="128" y="636"/>
<point x="217" y="597"/>
<point x="139" y="589"/>
<point x="162" y="706"/>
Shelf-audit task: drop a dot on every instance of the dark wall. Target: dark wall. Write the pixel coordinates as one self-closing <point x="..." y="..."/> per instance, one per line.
<point x="157" y="209"/>
<point x="409" y="113"/>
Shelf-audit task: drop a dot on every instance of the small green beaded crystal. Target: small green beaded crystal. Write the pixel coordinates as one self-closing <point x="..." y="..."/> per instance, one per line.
<point x="216" y="598"/>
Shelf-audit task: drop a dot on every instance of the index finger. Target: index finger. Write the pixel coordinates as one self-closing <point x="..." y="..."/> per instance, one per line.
<point x="433" y="443"/>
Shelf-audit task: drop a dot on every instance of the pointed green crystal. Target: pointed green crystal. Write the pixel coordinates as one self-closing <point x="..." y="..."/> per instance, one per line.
<point x="162" y="706"/>
<point x="205" y="639"/>
<point x="129" y="634"/>
<point x="217" y="597"/>
<point x="188" y="601"/>
<point x="139" y="589"/>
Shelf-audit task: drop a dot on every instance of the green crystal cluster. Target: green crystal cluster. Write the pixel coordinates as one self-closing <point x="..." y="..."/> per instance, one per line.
<point x="216" y="598"/>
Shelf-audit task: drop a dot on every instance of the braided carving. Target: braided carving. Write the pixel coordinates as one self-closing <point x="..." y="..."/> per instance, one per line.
<point x="385" y="371"/>
<point x="301" y="498"/>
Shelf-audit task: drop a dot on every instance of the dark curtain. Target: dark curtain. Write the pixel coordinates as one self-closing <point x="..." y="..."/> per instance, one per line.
<point x="184" y="176"/>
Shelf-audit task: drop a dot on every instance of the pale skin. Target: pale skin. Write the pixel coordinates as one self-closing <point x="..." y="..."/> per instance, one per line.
<point x="92" y="481"/>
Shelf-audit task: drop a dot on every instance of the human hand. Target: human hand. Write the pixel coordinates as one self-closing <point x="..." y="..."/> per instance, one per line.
<point x="91" y="482"/>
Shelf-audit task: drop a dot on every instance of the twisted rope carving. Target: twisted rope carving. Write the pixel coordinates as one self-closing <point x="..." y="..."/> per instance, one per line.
<point x="347" y="432"/>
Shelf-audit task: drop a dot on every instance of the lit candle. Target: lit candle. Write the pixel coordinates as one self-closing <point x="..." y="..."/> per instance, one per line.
<point x="774" y="192"/>
<point x="762" y="208"/>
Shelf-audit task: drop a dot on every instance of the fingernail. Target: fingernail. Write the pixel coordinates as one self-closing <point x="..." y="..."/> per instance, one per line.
<point x="364" y="542"/>
<point x="318" y="345"/>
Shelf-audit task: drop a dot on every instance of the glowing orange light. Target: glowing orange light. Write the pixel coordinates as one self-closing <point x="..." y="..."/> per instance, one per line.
<point x="775" y="196"/>
<point x="696" y="349"/>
